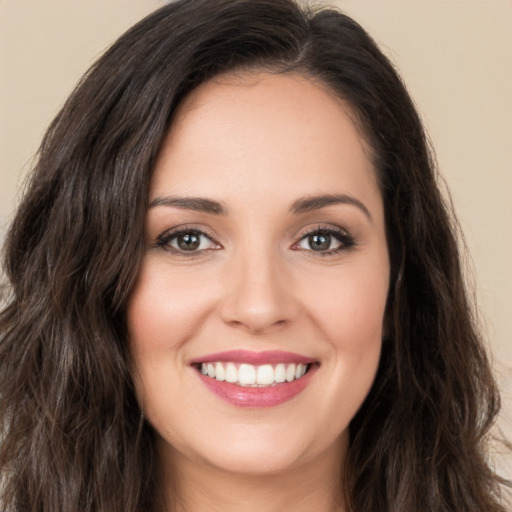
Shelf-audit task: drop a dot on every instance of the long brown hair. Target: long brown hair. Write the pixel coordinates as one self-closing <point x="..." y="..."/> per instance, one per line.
<point x="72" y="437"/>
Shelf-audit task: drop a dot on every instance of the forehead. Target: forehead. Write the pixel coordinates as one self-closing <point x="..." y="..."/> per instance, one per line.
<point x="244" y="134"/>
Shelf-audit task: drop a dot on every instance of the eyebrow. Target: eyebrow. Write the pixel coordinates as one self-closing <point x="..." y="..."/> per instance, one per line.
<point x="311" y="203"/>
<point x="302" y="205"/>
<point x="199" y="204"/>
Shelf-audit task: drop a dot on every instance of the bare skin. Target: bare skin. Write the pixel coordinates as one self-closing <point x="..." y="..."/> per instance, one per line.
<point x="303" y="489"/>
<point x="270" y="179"/>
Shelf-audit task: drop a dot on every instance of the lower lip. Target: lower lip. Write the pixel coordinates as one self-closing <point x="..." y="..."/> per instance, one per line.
<point x="258" y="397"/>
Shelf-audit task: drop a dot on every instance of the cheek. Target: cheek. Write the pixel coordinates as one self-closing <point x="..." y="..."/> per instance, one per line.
<point x="164" y="313"/>
<point x="352" y="323"/>
<point x="349" y="310"/>
<point x="349" y="306"/>
<point x="165" y="308"/>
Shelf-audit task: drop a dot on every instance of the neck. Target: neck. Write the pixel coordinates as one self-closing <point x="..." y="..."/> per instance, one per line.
<point x="199" y="487"/>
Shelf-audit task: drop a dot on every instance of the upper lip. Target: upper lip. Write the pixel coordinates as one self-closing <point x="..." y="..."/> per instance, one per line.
<point x="254" y="358"/>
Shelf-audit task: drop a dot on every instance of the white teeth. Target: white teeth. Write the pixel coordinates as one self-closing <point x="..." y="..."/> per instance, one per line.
<point x="220" y="374"/>
<point x="231" y="373"/>
<point x="300" y="371"/>
<point x="248" y="375"/>
<point x="290" y="373"/>
<point x="265" y="375"/>
<point x="280" y="373"/>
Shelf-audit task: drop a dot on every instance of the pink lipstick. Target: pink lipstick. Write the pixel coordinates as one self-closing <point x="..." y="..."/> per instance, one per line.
<point x="255" y="379"/>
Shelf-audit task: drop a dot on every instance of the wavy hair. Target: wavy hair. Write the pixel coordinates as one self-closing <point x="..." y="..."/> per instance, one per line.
<point x="72" y="437"/>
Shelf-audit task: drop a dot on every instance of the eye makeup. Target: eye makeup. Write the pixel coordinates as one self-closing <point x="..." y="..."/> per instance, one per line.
<point x="187" y="241"/>
<point x="321" y="240"/>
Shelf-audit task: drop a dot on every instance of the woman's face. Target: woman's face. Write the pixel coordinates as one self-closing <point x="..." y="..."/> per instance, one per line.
<point x="265" y="250"/>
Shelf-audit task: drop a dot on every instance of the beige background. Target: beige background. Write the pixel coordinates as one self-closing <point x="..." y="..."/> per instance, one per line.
<point x="455" y="56"/>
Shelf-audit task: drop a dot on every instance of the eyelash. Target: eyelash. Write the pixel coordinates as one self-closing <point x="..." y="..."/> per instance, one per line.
<point x="346" y="240"/>
<point x="164" y="240"/>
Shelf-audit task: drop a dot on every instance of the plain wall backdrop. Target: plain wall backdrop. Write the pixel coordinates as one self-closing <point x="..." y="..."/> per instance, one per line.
<point x="455" y="57"/>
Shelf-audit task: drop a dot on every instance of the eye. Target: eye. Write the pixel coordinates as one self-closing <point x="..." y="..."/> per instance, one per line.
<point x="325" y="240"/>
<point x="186" y="240"/>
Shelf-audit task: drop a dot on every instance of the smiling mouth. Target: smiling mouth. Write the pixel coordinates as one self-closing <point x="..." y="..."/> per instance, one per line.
<point x="255" y="379"/>
<point x="255" y="376"/>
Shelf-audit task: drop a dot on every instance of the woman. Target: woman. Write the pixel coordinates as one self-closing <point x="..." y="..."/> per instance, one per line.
<point x="235" y="284"/>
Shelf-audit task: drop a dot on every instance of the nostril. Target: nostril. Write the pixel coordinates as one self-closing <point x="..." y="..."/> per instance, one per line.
<point x="258" y="301"/>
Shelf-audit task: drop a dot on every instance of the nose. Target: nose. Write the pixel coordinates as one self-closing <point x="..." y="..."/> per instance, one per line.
<point x="258" y="294"/>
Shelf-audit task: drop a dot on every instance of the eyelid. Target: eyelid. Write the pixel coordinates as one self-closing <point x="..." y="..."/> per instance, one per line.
<point x="346" y="240"/>
<point x="163" y="240"/>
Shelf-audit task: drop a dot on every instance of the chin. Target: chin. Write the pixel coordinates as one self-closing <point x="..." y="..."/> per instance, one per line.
<point x="260" y="450"/>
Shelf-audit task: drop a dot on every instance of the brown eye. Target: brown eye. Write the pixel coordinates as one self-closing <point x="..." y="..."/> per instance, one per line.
<point x="325" y="241"/>
<point x="188" y="241"/>
<point x="319" y="242"/>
